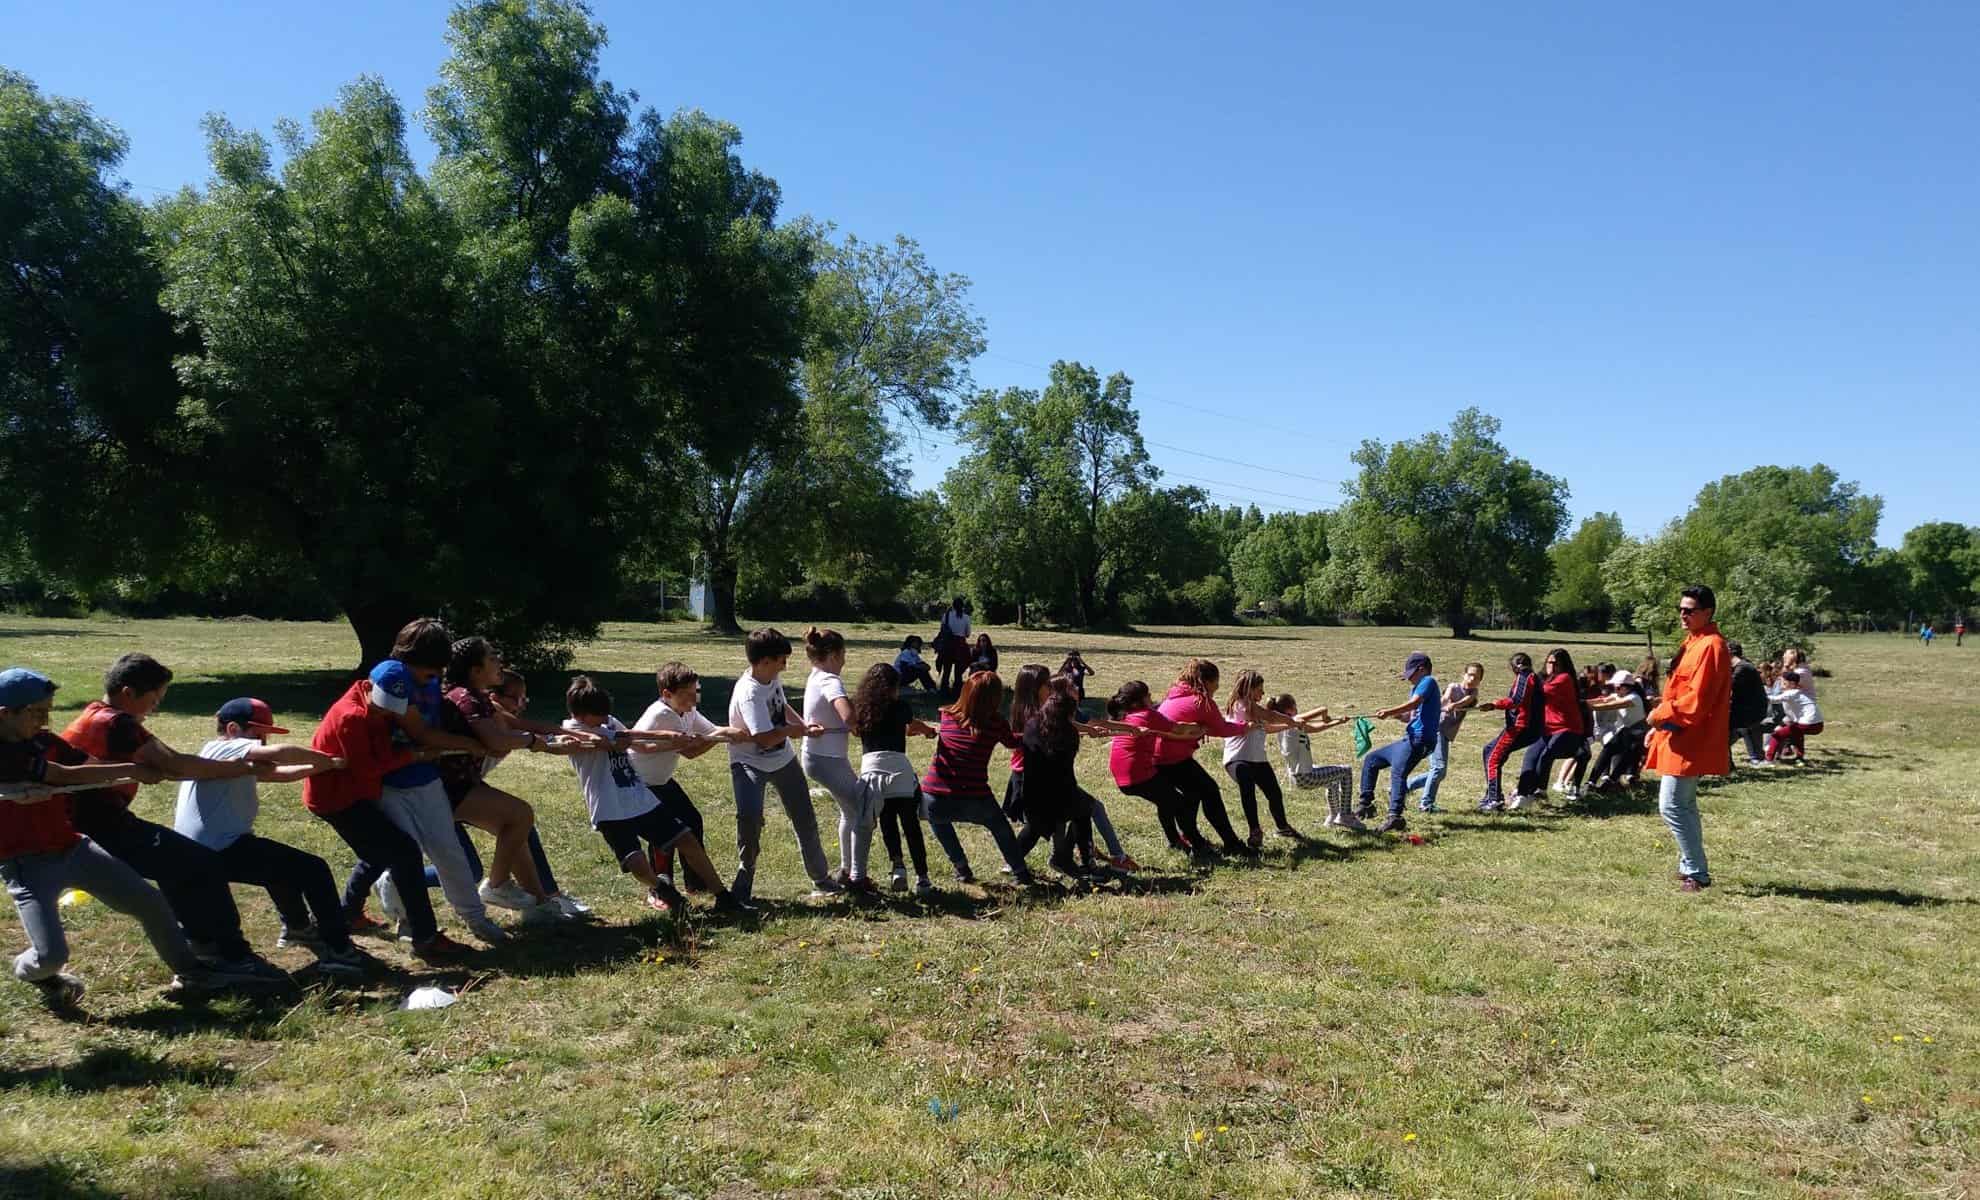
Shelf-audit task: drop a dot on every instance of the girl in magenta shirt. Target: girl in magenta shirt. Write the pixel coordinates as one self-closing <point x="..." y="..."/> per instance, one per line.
<point x="957" y="785"/>
<point x="1134" y="763"/>
<point x="1193" y="701"/>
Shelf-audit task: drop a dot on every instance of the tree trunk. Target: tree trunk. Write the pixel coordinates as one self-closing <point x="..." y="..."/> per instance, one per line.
<point x="722" y="574"/>
<point x="1458" y="615"/>
<point x="377" y="624"/>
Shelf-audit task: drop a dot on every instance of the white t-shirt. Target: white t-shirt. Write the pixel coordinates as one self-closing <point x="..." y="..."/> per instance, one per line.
<point x="1800" y="706"/>
<point x="1611" y="721"/>
<point x="657" y="766"/>
<point x="613" y="790"/>
<point x="820" y="689"/>
<point x="1297" y="749"/>
<point x="1249" y="748"/>
<point x="758" y="708"/>
<point x="216" y="813"/>
<point x="956" y="623"/>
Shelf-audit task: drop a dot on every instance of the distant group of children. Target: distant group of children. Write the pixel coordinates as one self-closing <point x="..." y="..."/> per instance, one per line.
<point x="399" y="766"/>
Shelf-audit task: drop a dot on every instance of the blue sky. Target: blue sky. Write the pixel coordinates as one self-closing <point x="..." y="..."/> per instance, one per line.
<point x="1661" y="244"/>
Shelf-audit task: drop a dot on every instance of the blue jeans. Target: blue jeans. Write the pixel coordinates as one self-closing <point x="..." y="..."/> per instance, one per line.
<point x="1398" y="756"/>
<point x="1677" y="802"/>
<point x="1440" y="764"/>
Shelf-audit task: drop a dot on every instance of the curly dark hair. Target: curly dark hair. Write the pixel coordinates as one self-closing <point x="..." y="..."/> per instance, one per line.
<point x="877" y="691"/>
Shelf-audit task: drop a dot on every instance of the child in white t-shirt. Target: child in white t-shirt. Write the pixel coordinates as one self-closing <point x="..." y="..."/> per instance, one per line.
<point x="624" y="810"/>
<point x="676" y="715"/>
<point x="826" y="758"/>
<point x="761" y="759"/>
<point x="1296" y="750"/>
<point x="1804" y="718"/>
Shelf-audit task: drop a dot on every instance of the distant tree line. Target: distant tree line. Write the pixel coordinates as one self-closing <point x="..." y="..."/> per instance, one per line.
<point x="584" y="358"/>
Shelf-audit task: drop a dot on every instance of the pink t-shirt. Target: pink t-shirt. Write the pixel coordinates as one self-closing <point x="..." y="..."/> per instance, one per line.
<point x="1132" y="759"/>
<point x="1185" y="706"/>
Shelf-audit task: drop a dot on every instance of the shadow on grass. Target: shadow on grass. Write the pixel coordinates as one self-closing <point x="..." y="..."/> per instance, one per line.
<point x="57" y="1180"/>
<point x="1511" y="823"/>
<point x="310" y="692"/>
<point x="47" y="633"/>
<point x="1850" y="895"/>
<point x="108" y="1067"/>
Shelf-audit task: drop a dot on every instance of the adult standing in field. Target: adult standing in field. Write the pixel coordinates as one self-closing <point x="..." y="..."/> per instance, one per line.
<point x="1687" y="731"/>
<point x="952" y="646"/>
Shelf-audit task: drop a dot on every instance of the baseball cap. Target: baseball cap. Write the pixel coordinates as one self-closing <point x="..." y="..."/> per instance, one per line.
<point x="1621" y="679"/>
<point x="1419" y="661"/>
<point x="391" y="687"/>
<point x="20" y="687"/>
<point x="248" y="713"/>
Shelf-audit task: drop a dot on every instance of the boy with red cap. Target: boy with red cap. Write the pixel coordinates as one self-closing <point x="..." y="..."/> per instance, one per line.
<point x="219" y="814"/>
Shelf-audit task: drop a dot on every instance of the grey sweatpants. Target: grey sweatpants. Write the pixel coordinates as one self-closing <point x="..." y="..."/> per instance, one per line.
<point x="859" y="809"/>
<point x="750" y="783"/>
<point x="35" y="882"/>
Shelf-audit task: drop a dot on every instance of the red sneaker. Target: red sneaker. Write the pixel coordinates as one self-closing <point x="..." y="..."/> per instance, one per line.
<point x="438" y="948"/>
<point x="1125" y="862"/>
<point x="365" y="923"/>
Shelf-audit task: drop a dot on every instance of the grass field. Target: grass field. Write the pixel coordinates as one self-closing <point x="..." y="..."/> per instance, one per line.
<point x="1521" y="1006"/>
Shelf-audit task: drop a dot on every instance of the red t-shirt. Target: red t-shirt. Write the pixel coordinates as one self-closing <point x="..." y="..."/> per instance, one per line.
<point x="42" y="827"/>
<point x="1562" y="700"/>
<point x="105" y="734"/>
<point x="362" y="737"/>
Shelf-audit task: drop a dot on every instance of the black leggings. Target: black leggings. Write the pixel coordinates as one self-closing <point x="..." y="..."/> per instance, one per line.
<point x="1620" y="756"/>
<point x="901" y="816"/>
<point x="1255" y="777"/>
<point x="1172" y="807"/>
<point x="1068" y="821"/>
<point x="1195" y="782"/>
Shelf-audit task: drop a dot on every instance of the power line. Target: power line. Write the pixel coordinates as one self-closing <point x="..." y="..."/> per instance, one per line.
<point x="1239" y="463"/>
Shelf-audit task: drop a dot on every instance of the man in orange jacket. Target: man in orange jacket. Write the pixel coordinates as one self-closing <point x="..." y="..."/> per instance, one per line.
<point x="1688" y="731"/>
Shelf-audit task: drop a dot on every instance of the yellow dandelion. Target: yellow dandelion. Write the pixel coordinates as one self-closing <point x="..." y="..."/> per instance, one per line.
<point x="1223" y="1129"/>
<point x="918" y="965"/>
<point x="1197" y="1136"/>
<point x="1866" y="1097"/>
<point x="1897" y="1037"/>
<point x="1093" y="954"/>
<point x="1409" y="1137"/>
<point x="1927" y="1039"/>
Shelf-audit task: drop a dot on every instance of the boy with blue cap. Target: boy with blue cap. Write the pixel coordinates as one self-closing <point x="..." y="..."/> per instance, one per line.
<point x="1423" y="710"/>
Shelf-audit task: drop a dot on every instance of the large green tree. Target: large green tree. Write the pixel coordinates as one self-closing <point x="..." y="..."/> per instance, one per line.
<point x="87" y="396"/>
<point x="1044" y="473"/>
<point x="1446" y="524"/>
<point x="1942" y="567"/>
<point x="1581" y="591"/>
<point x="1273" y="562"/>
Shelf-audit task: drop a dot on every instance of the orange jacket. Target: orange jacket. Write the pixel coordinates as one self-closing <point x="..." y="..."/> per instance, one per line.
<point x="1698" y="700"/>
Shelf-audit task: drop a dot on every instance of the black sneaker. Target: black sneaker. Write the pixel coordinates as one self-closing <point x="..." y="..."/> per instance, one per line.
<point x="729" y="902"/>
<point x="1366" y="810"/>
<point x="1394" y="824"/>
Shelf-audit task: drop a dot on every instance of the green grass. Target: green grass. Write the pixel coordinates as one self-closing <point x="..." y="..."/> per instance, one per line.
<point x="1522" y="1006"/>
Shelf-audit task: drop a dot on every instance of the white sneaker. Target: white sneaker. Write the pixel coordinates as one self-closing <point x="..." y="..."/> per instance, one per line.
<point x="388" y="899"/>
<point x="488" y="931"/>
<point x="1333" y="818"/>
<point x="898" y="881"/>
<point x="1571" y="792"/>
<point x="571" y="906"/>
<point x="509" y="895"/>
<point x="1519" y="801"/>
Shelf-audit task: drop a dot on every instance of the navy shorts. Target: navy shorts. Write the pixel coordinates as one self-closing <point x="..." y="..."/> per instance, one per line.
<point x="660" y="828"/>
